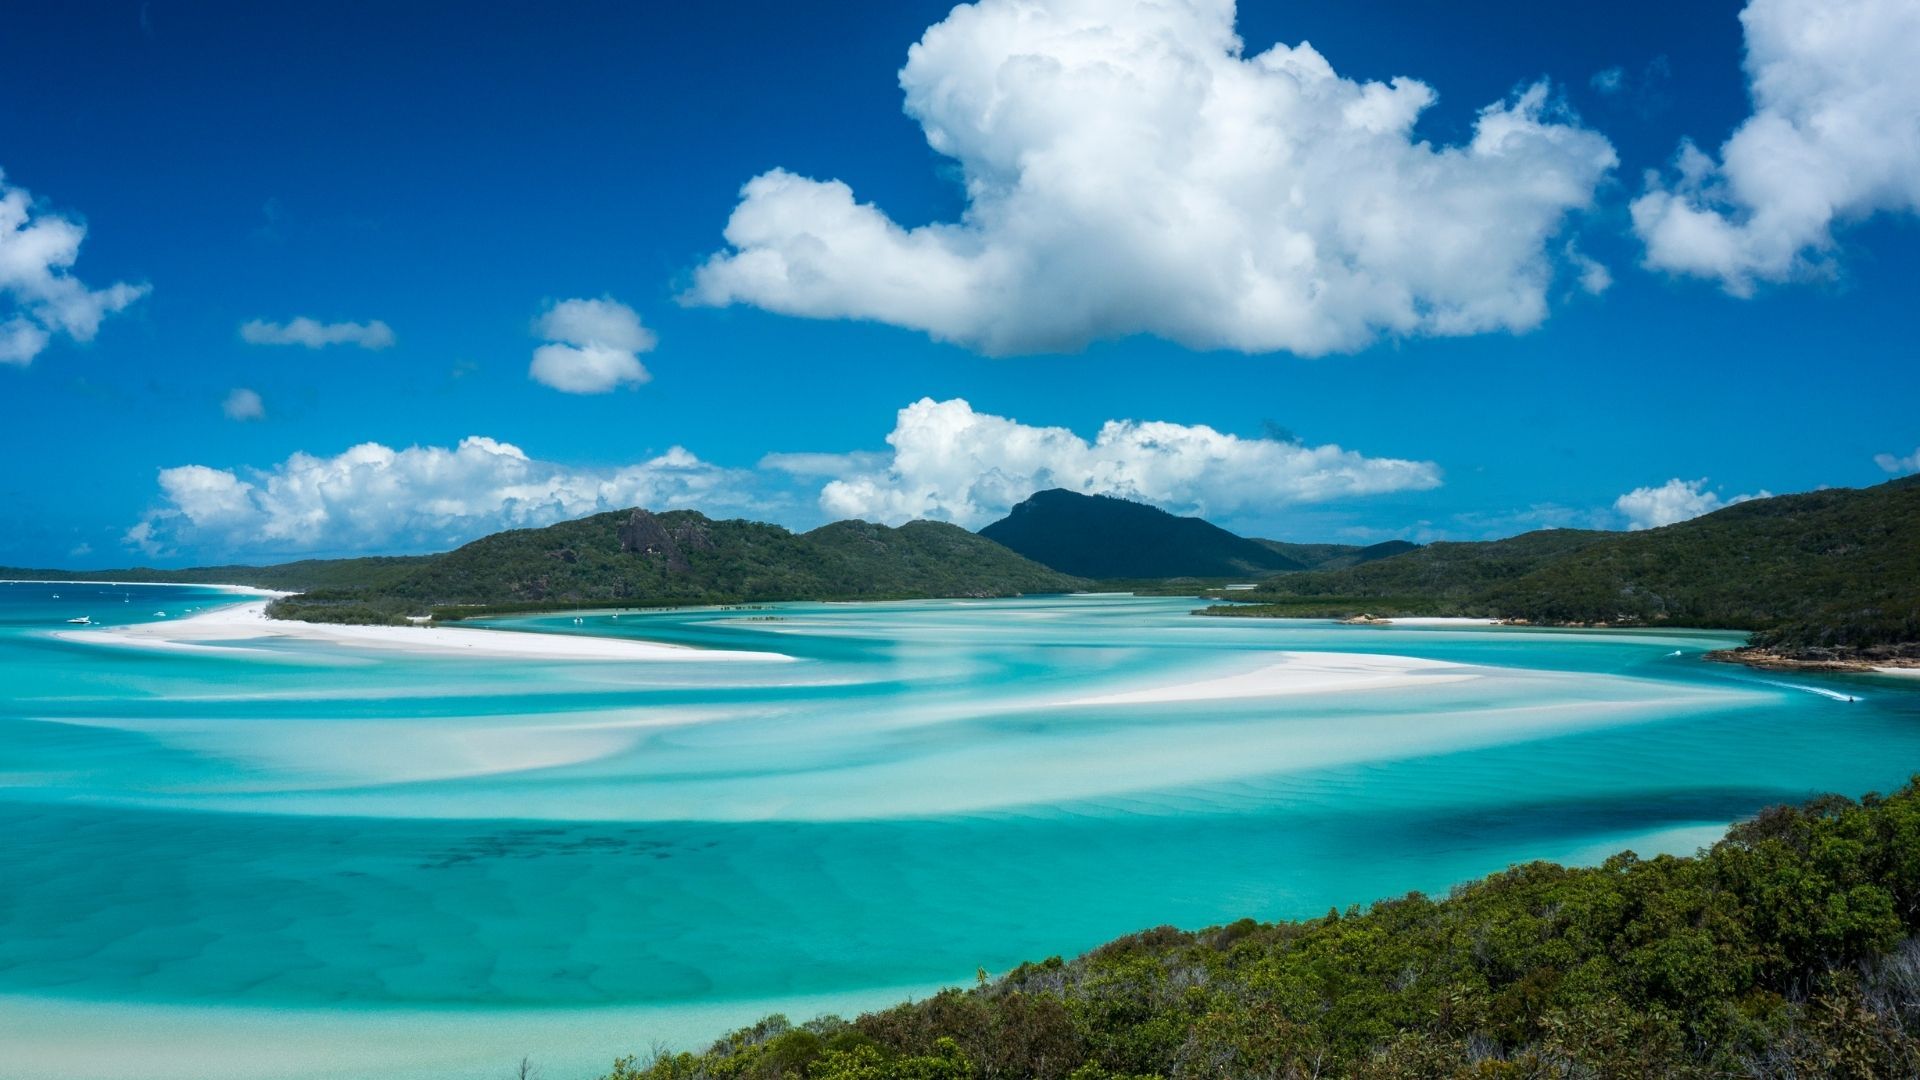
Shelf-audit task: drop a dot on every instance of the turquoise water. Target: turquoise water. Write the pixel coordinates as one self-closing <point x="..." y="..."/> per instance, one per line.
<point x="317" y="838"/>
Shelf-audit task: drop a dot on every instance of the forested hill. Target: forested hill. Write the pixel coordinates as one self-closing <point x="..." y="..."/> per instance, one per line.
<point x="1098" y="536"/>
<point x="1787" y="950"/>
<point x="1827" y="572"/>
<point x="1337" y="556"/>
<point x="681" y="556"/>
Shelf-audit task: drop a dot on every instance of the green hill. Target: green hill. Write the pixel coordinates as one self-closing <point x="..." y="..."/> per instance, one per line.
<point x="1098" y="536"/>
<point x="683" y="557"/>
<point x="1823" y="574"/>
<point x="1336" y="556"/>
<point x="1788" y="949"/>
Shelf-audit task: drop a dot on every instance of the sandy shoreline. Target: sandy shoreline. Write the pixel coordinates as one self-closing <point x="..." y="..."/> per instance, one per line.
<point x="1298" y="673"/>
<point x="241" y="590"/>
<point x="223" y="628"/>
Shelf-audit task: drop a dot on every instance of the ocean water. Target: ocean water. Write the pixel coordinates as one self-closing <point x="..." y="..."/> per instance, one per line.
<point x="305" y="859"/>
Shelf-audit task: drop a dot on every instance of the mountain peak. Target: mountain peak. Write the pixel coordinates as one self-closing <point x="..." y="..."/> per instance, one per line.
<point x="1102" y="536"/>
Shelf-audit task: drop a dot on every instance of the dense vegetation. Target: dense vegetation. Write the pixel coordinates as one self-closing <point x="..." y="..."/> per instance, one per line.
<point x="683" y="557"/>
<point x="1788" y="949"/>
<point x="1337" y="556"/>
<point x="1825" y="574"/>
<point x="1097" y="536"/>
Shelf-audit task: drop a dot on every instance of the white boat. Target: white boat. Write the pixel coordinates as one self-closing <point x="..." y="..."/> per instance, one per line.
<point x="159" y="614"/>
<point x="84" y="620"/>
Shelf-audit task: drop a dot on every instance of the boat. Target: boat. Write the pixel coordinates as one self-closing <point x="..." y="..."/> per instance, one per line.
<point x="84" y="620"/>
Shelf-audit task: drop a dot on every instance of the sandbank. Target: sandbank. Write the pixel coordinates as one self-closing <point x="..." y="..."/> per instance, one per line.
<point x="221" y="627"/>
<point x="1298" y="673"/>
<point x="243" y="590"/>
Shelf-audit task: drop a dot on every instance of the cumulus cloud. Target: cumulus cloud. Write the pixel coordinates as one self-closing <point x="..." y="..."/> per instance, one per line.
<point x="1593" y="275"/>
<point x="316" y="335"/>
<point x="1899" y="466"/>
<point x="952" y="463"/>
<point x="243" y="404"/>
<point x="593" y="347"/>
<point x="1834" y="137"/>
<point x="1129" y="170"/>
<point x="39" y="296"/>
<point x="376" y="498"/>
<point x="1675" y="500"/>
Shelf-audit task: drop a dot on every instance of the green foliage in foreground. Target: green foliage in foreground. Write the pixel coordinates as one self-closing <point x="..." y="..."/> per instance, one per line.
<point x="1786" y="950"/>
<point x="1834" y="572"/>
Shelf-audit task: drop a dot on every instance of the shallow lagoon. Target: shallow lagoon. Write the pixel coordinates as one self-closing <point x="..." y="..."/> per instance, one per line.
<point x="244" y="863"/>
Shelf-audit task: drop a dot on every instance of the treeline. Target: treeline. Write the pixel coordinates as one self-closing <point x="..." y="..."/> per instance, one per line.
<point x="1834" y="572"/>
<point x="1788" y="949"/>
<point x="633" y="558"/>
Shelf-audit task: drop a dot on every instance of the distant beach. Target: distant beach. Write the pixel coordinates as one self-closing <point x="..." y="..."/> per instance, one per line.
<point x="220" y="627"/>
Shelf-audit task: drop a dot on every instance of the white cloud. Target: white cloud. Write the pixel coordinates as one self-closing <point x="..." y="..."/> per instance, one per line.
<point x="1608" y="81"/>
<point x="1129" y="170"/>
<point x="376" y="498"/>
<point x="593" y="347"/>
<point x="315" y="334"/>
<point x="814" y="465"/>
<point x="244" y="404"/>
<point x="1675" y="500"/>
<point x="1833" y="138"/>
<point x="39" y="296"/>
<point x="1899" y="466"/>
<point x="1593" y="275"/>
<point x="952" y="463"/>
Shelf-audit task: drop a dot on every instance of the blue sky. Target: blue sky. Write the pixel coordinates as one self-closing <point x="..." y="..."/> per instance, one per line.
<point x="460" y="175"/>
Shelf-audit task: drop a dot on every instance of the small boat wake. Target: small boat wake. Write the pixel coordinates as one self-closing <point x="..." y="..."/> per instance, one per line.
<point x="1821" y="690"/>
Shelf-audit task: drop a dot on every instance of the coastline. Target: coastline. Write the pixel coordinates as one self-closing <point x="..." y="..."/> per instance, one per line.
<point x="224" y="628"/>
<point x="1766" y="660"/>
<point x="243" y="590"/>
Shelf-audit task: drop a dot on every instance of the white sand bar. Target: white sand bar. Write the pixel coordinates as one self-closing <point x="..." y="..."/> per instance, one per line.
<point x="249" y="622"/>
<point x="244" y="590"/>
<point x="1299" y="673"/>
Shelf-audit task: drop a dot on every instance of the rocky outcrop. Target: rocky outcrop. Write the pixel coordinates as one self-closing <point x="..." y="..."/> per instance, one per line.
<point x="644" y="533"/>
<point x="1867" y="659"/>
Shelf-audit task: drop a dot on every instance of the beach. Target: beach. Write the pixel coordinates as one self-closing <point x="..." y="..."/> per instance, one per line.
<point x="222" y="628"/>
